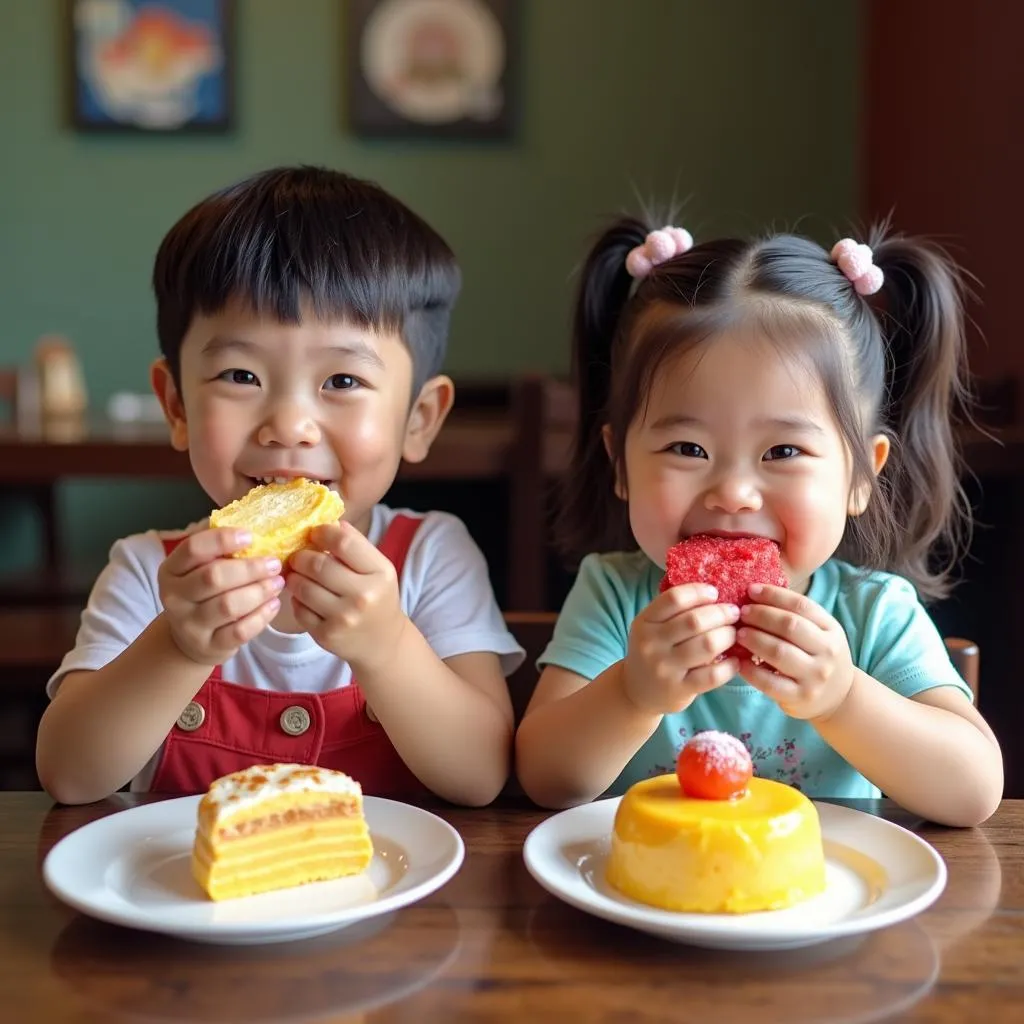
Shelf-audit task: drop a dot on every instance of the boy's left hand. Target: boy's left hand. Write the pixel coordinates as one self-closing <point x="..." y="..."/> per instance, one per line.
<point x="345" y="593"/>
<point x="803" y="644"/>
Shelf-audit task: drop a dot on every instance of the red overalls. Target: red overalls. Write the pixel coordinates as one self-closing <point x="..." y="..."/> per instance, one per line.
<point x="227" y="727"/>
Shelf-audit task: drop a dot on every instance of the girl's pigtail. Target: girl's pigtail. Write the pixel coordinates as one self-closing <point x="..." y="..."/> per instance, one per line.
<point x="927" y="394"/>
<point x="590" y="518"/>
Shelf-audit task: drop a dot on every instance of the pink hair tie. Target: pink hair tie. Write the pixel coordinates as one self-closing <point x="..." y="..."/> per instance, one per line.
<point x="857" y="263"/>
<point x="657" y="247"/>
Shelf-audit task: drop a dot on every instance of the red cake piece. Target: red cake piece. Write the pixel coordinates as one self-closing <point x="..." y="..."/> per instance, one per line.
<point x="729" y="563"/>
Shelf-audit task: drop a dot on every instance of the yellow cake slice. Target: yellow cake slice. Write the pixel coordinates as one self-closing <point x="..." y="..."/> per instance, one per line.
<point x="274" y="826"/>
<point x="280" y="516"/>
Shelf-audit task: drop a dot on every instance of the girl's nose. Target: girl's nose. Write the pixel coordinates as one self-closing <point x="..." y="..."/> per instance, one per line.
<point x="732" y="493"/>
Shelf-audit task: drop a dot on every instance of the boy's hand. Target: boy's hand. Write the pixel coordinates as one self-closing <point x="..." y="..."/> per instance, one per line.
<point x="673" y="644"/>
<point x="346" y="595"/>
<point x="214" y="603"/>
<point x="803" y="644"/>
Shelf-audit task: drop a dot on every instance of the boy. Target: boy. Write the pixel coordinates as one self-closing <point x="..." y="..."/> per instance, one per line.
<point x="303" y="318"/>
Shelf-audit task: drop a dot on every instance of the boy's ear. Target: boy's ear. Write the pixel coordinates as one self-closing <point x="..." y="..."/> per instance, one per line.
<point x="162" y="383"/>
<point x="860" y="496"/>
<point x="620" y="484"/>
<point x="426" y="417"/>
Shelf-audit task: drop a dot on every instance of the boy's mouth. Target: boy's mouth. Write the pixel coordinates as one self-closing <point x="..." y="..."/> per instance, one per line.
<point x="256" y="480"/>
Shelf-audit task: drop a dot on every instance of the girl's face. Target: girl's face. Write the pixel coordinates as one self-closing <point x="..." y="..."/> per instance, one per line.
<point x="739" y="440"/>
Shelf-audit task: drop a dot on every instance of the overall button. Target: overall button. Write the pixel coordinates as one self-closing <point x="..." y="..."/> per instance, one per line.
<point x="294" y="720"/>
<point x="192" y="717"/>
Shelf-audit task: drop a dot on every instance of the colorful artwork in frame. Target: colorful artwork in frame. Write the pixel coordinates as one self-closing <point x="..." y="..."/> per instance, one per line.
<point x="432" y="68"/>
<point x="154" y="66"/>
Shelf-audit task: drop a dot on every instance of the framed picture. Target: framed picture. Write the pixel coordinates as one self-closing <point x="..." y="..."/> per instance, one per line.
<point x="154" y="66"/>
<point x="432" y="68"/>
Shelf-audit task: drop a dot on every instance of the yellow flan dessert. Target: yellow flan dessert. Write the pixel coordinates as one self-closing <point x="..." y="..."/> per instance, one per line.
<point x="274" y="826"/>
<point x="760" y="849"/>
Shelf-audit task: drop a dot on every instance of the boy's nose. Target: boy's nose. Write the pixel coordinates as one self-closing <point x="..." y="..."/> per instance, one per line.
<point x="731" y="494"/>
<point x="289" y="425"/>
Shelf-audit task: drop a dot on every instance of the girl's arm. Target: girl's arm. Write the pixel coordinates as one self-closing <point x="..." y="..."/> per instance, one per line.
<point x="577" y="736"/>
<point x="933" y="753"/>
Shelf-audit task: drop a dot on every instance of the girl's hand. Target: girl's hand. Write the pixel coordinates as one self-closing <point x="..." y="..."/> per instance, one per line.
<point x="673" y="646"/>
<point x="808" y="669"/>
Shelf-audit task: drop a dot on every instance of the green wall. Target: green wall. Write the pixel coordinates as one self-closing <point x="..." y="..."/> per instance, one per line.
<point x="745" y="108"/>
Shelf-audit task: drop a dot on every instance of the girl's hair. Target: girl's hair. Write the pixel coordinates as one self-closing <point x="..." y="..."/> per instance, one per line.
<point x="897" y="366"/>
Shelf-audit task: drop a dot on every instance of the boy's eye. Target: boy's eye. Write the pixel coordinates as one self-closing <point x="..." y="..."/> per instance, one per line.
<point x="782" y="451"/>
<point x="340" y="382"/>
<point x="688" y="450"/>
<point x="239" y="377"/>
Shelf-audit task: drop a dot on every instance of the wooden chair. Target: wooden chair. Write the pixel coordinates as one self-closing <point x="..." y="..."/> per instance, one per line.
<point x="543" y="412"/>
<point x="533" y="631"/>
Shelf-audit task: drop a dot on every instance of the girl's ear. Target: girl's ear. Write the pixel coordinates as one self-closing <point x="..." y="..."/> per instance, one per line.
<point x="860" y="496"/>
<point x="620" y="484"/>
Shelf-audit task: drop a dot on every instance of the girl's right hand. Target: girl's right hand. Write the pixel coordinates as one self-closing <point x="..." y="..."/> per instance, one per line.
<point x="214" y="603"/>
<point x="673" y="644"/>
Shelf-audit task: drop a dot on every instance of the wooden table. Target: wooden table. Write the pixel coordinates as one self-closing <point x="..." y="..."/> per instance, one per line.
<point x="492" y="945"/>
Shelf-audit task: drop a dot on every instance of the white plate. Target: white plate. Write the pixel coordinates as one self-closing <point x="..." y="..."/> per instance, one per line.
<point x="133" y="868"/>
<point x="877" y="873"/>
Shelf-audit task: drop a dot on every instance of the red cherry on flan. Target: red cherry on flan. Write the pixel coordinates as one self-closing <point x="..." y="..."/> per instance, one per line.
<point x="714" y="766"/>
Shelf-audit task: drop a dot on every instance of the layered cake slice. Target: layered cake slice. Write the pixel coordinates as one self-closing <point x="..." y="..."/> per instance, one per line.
<point x="274" y="826"/>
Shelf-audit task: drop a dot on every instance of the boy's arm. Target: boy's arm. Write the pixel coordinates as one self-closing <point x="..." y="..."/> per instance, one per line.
<point x="433" y="676"/>
<point x="135" y="667"/>
<point x="450" y="721"/>
<point x="103" y="726"/>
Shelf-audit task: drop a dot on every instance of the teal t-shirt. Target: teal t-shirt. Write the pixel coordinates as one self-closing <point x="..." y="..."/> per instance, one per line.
<point x="891" y="636"/>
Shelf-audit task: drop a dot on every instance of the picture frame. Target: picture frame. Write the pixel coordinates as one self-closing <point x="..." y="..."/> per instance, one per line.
<point x="436" y="69"/>
<point x="154" y="67"/>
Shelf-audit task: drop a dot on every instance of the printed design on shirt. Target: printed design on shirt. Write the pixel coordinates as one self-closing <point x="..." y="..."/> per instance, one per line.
<point x="783" y="762"/>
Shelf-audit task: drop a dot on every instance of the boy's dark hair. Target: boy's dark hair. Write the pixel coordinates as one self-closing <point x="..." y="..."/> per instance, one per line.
<point x="898" y="367"/>
<point x="308" y="234"/>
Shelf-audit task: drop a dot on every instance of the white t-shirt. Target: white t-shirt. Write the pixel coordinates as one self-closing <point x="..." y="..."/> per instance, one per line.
<point x="444" y="588"/>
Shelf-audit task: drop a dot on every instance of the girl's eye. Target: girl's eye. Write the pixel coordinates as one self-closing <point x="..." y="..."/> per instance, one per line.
<point x="688" y="450"/>
<point x="340" y="382"/>
<point x="782" y="451"/>
<point x="239" y="377"/>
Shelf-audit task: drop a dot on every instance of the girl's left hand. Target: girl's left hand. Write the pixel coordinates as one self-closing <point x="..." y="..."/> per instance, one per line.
<point x="345" y="594"/>
<point x="803" y="644"/>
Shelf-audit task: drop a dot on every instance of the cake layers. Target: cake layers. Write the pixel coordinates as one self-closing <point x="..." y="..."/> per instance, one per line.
<point x="277" y="826"/>
<point x="759" y="851"/>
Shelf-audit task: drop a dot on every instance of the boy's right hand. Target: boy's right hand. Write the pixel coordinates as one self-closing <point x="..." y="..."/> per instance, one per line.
<point x="214" y="603"/>
<point x="673" y="644"/>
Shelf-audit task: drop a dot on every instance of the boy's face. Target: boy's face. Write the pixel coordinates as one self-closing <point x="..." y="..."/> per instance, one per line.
<point x="325" y="400"/>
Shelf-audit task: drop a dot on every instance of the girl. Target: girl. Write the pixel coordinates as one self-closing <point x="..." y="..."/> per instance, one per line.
<point x="753" y="389"/>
